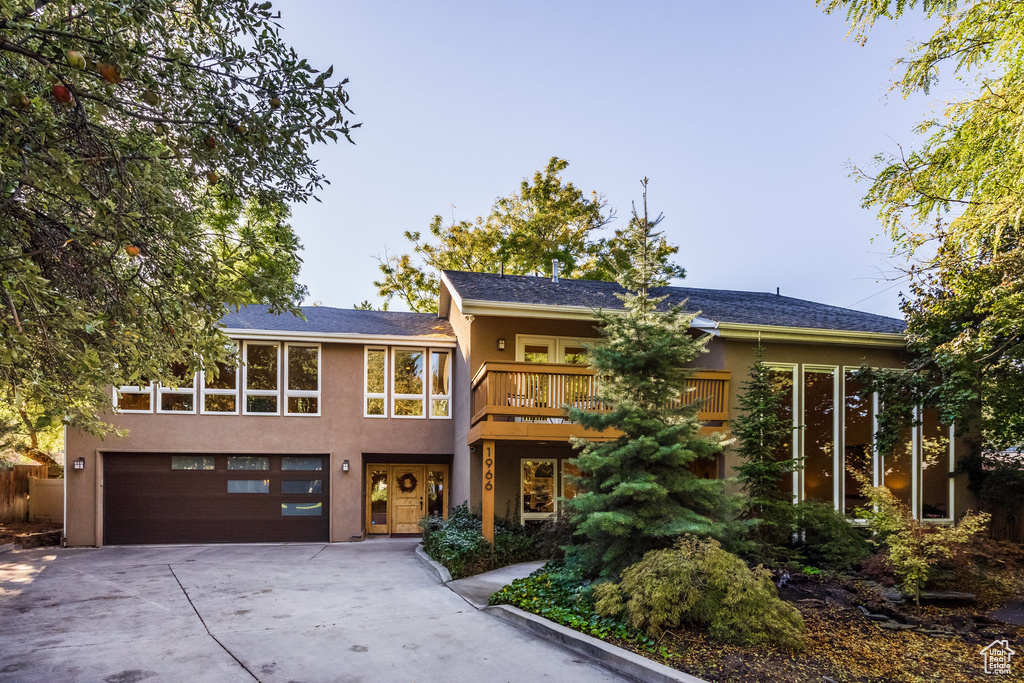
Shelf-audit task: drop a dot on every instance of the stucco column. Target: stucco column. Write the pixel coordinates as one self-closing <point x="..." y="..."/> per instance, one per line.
<point x="487" y="480"/>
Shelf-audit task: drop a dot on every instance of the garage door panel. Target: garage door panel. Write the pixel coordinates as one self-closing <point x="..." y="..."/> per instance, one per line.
<point x="145" y="501"/>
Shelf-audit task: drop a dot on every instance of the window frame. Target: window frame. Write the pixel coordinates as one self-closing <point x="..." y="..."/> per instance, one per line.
<point x="162" y="391"/>
<point x="132" y="389"/>
<point x="431" y="396"/>
<point x="204" y="391"/>
<point x="795" y="444"/>
<point x="395" y="396"/>
<point x="367" y="394"/>
<point x="302" y="393"/>
<point x="246" y="392"/>
<point x="525" y="516"/>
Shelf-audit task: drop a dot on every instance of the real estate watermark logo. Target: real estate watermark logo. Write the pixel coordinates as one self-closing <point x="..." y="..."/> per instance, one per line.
<point x="997" y="657"/>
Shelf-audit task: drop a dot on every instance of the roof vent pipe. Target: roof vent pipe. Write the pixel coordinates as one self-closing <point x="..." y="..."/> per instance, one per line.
<point x="554" y="270"/>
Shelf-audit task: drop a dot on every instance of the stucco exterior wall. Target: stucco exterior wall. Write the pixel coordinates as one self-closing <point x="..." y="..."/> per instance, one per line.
<point x="340" y="432"/>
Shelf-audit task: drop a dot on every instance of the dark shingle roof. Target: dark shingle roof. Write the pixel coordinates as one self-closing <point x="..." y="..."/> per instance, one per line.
<point x="720" y="305"/>
<point x="321" y="319"/>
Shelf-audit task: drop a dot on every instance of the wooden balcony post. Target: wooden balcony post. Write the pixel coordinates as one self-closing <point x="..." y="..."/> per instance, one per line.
<point x="488" y="490"/>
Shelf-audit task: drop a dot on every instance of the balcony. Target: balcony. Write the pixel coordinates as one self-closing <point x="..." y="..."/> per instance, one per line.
<point x="523" y="401"/>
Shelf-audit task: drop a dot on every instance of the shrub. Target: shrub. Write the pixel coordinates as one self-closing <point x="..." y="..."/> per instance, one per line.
<point x="458" y="543"/>
<point x="827" y="539"/>
<point x="698" y="582"/>
<point x="914" y="546"/>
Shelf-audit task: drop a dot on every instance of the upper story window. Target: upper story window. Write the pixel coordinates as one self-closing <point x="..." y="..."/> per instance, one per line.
<point x="570" y="350"/>
<point x="375" y="386"/>
<point x="220" y="388"/>
<point x="262" y="378"/>
<point x="182" y="398"/>
<point x="302" y="379"/>
<point x="407" y="382"/>
<point x="440" y="383"/>
<point x="134" y="399"/>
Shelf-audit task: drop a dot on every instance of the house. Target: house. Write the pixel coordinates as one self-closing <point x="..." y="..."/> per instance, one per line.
<point x="352" y="423"/>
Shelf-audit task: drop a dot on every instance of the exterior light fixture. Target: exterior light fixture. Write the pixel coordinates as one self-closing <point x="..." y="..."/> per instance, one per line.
<point x="501" y="344"/>
<point x="79" y="463"/>
<point x="344" y="466"/>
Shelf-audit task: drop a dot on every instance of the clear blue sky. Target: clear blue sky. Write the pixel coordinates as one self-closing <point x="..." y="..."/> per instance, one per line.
<point x="744" y="115"/>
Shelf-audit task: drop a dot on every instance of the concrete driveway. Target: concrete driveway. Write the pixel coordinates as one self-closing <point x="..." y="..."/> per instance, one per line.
<point x="346" y="612"/>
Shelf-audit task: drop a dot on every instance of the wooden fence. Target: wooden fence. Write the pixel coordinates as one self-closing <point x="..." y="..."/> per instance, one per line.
<point x="14" y="489"/>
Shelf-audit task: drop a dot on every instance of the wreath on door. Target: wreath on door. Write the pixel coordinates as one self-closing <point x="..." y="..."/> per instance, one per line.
<point x="407" y="483"/>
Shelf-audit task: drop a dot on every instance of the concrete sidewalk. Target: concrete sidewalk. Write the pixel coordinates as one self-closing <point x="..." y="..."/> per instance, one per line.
<point x="344" y="612"/>
<point x="477" y="589"/>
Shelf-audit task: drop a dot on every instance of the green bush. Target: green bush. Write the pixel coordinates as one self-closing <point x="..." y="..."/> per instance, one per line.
<point x="827" y="539"/>
<point x="561" y="595"/>
<point x="698" y="582"/>
<point x="458" y="543"/>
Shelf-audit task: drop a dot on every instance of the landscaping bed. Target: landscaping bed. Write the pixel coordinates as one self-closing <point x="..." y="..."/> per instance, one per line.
<point x="853" y="634"/>
<point x="459" y="545"/>
<point x="9" y="531"/>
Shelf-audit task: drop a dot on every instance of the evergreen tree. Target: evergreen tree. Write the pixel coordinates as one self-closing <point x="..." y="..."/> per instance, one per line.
<point x="761" y="429"/>
<point x="637" y="493"/>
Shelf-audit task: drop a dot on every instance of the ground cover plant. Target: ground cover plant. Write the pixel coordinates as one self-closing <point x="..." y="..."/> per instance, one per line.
<point x="459" y="544"/>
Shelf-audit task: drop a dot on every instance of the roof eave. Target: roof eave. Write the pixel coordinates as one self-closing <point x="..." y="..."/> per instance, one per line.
<point x="445" y="341"/>
<point x="808" y="335"/>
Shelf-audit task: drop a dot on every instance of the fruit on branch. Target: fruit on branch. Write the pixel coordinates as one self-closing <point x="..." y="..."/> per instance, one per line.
<point x="150" y="97"/>
<point x="110" y="73"/>
<point x="76" y="60"/>
<point x="132" y="250"/>
<point x="62" y="94"/>
<point x="241" y="129"/>
<point x="211" y="142"/>
<point x="275" y="102"/>
<point x="212" y="178"/>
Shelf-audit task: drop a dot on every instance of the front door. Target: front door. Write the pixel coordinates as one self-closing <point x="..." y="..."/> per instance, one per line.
<point x="408" y="504"/>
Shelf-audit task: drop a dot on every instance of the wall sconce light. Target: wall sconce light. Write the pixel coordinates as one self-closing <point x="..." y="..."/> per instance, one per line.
<point x="344" y="466"/>
<point x="501" y="344"/>
<point x="79" y="463"/>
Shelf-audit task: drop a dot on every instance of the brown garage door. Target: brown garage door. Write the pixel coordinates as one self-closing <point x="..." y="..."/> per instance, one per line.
<point x="201" y="498"/>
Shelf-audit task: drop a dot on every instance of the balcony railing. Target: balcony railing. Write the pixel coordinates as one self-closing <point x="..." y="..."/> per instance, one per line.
<point x="529" y="392"/>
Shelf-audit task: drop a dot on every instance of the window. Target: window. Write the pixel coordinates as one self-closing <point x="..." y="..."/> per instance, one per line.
<point x="134" y="399"/>
<point x="858" y="437"/>
<point x="302" y="509"/>
<point x="302" y="486"/>
<point x="440" y="384"/>
<point x="783" y="379"/>
<point x="220" y="388"/>
<point x="302" y="379"/>
<point x="936" y="466"/>
<point x="179" y="399"/>
<point x="408" y="382"/>
<point x="538" y="493"/>
<point x="568" y="488"/>
<point x="248" y="486"/>
<point x="192" y="462"/>
<point x="376" y="383"/>
<point x="248" y="462"/>
<point x="289" y="462"/>
<point x="819" y="433"/>
<point x="262" y="375"/>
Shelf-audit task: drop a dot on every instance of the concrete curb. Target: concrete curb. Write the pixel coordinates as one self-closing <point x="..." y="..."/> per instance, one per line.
<point x="8" y="547"/>
<point x="611" y="657"/>
<point x="439" y="570"/>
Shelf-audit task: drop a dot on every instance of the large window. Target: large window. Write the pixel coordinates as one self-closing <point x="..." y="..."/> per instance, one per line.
<point x="858" y="439"/>
<point x="936" y="467"/>
<point x="220" y="388"/>
<point x="262" y="377"/>
<point x="375" y="401"/>
<point x="819" y="433"/>
<point x="440" y="384"/>
<point x="302" y="379"/>
<point x="180" y="398"/>
<point x="783" y="379"/>
<point x="408" y="382"/>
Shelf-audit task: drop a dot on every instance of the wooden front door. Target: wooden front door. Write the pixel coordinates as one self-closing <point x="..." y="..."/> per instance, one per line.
<point x="409" y="484"/>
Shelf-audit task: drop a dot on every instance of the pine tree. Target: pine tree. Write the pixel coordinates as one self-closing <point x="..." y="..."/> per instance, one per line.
<point x="761" y="429"/>
<point x="637" y="493"/>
